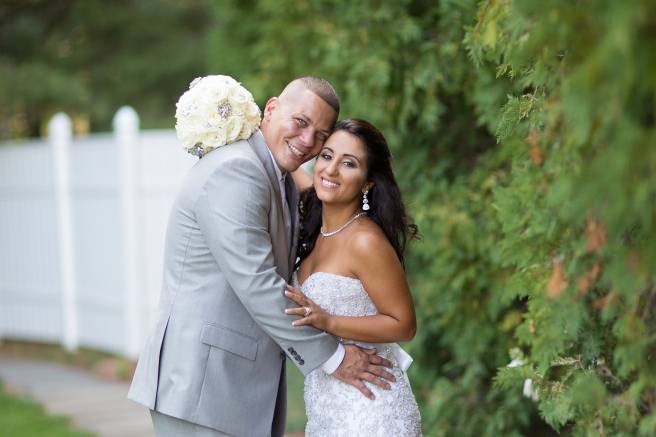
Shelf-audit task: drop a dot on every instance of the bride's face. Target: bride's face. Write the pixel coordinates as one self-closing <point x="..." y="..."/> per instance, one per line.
<point x="341" y="169"/>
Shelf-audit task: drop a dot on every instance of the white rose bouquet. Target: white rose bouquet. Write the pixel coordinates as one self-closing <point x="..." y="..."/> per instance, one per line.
<point x="215" y="111"/>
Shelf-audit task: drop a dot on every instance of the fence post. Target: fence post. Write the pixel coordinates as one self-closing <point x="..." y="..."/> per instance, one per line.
<point x="59" y="137"/>
<point x="126" y="132"/>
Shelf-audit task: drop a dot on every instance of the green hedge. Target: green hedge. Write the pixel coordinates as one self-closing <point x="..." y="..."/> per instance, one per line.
<point x="523" y="135"/>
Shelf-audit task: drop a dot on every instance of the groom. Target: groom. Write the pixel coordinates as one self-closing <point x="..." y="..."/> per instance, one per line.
<point x="215" y="363"/>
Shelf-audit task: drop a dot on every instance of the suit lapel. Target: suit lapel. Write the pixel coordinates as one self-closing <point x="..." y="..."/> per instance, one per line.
<point x="262" y="151"/>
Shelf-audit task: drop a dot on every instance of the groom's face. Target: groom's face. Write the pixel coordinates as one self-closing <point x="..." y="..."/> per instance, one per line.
<point x="295" y="127"/>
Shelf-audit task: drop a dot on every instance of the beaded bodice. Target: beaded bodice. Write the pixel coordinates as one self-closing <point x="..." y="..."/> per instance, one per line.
<point x="339" y="295"/>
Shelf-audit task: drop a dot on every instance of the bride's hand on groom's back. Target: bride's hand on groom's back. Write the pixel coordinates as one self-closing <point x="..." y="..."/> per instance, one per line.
<point x="360" y="365"/>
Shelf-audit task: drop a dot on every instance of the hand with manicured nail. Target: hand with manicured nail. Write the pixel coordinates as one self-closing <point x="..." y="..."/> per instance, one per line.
<point x="310" y="313"/>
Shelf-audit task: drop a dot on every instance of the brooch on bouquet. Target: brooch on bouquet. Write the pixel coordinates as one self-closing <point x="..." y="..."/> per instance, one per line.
<point x="215" y="111"/>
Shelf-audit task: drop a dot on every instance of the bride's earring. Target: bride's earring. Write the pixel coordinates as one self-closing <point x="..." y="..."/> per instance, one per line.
<point x="365" y="201"/>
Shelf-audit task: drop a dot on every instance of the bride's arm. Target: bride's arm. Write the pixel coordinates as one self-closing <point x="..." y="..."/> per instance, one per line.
<point x="382" y="275"/>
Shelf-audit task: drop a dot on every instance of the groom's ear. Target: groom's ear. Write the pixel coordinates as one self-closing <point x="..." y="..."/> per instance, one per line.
<point x="271" y="104"/>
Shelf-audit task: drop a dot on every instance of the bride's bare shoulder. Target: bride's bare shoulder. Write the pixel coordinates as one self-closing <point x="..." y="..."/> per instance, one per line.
<point x="367" y="237"/>
<point x="370" y="254"/>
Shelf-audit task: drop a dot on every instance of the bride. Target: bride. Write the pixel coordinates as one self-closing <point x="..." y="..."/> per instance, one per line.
<point x="351" y="281"/>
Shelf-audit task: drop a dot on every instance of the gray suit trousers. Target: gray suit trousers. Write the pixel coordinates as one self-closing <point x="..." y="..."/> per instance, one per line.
<point x="169" y="426"/>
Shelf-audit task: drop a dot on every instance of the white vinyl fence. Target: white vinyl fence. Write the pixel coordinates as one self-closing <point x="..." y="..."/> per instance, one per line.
<point x="82" y="224"/>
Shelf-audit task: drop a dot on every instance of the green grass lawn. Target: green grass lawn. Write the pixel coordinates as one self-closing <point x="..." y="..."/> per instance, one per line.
<point x="21" y="417"/>
<point x="295" y="404"/>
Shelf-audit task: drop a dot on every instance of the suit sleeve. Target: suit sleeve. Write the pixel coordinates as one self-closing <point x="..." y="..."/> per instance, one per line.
<point x="233" y="214"/>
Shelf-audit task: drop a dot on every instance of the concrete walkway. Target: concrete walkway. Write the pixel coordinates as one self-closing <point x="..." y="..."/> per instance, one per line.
<point x="93" y="404"/>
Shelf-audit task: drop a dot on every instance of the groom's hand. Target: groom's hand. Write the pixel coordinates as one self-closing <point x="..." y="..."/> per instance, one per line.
<point x="361" y="365"/>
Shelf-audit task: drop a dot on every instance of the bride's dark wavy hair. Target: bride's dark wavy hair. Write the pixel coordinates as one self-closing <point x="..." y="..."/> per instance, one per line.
<point x="387" y="208"/>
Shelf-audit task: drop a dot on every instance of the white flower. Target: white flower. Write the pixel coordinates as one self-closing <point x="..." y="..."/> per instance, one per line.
<point x="215" y="111"/>
<point x="194" y="82"/>
<point x="234" y="126"/>
<point x="530" y="392"/>
<point x="516" y="362"/>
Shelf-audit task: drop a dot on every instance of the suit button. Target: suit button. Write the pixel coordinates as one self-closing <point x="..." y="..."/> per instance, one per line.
<point x="301" y="362"/>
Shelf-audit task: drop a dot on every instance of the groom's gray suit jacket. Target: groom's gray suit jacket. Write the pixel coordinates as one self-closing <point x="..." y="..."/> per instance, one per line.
<point x="216" y="355"/>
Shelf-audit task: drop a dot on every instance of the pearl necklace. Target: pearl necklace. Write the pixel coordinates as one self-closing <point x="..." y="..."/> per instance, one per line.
<point x="341" y="228"/>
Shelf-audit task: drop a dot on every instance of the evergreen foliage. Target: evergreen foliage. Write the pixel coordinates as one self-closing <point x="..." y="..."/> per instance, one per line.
<point x="578" y="210"/>
<point x="523" y="136"/>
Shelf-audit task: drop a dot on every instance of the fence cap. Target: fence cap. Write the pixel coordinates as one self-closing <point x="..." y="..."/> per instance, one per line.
<point x="60" y="126"/>
<point x="126" y="119"/>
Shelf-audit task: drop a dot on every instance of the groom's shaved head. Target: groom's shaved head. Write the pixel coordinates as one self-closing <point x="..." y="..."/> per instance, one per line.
<point x="298" y="122"/>
<point x="318" y="86"/>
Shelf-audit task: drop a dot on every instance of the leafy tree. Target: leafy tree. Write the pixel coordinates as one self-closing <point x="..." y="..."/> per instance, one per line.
<point x="578" y="211"/>
<point x="523" y="137"/>
<point x="90" y="57"/>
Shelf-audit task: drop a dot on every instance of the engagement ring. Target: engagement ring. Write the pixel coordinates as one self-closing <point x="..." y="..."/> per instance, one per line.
<point x="308" y="311"/>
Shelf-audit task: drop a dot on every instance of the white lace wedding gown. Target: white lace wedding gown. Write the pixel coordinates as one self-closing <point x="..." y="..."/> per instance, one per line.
<point x="335" y="408"/>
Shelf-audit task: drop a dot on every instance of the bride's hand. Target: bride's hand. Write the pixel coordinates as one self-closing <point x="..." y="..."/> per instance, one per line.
<point x="316" y="316"/>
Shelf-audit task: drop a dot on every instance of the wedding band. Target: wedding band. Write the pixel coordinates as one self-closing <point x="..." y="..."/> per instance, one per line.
<point x="308" y="311"/>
